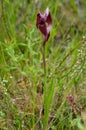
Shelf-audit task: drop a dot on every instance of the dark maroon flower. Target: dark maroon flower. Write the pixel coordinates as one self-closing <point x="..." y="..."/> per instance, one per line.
<point x="43" y="22"/>
<point x="73" y="104"/>
<point x="70" y="100"/>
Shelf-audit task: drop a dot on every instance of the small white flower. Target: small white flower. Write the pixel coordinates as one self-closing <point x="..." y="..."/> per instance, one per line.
<point x="5" y="81"/>
<point x="83" y="37"/>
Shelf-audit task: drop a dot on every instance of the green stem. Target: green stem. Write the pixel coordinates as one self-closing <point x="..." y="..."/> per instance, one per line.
<point x="44" y="60"/>
<point x="4" y="20"/>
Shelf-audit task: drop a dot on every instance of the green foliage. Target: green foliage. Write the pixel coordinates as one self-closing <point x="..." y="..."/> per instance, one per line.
<point x="28" y="98"/>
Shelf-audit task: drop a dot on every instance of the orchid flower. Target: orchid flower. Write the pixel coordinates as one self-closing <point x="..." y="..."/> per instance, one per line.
<point x="44" y="22"/>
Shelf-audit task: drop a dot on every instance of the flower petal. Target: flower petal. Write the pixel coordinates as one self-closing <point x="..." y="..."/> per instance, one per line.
<point x="47" y="16"/>
<point x="43" y="28"/>
<point x="41" y="21"/>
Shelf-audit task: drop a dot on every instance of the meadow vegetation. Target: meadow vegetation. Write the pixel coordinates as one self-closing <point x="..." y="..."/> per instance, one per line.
<point x="29" y="98"/>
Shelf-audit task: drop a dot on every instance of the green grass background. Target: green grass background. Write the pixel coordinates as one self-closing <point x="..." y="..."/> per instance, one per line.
<point x="21" y="72"/>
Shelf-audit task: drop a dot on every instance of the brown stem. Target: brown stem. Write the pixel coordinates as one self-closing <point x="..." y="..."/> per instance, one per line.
<point x="44" y="60"/>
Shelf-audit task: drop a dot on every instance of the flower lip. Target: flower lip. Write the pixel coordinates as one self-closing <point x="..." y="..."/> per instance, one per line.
<point x="41" y="23"/>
